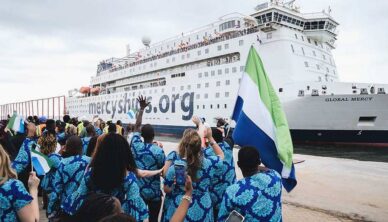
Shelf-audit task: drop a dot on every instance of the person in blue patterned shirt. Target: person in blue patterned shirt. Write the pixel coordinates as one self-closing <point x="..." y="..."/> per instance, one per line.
<point x="226" y="175"/>
<point x="257" y="196"/>
<point x="23" y="159"/>
<point x="16" y="204"/>
<point x="201" y="169"/>
<point x="148" y="156"/>
<point x="90" y="132"/>
<point x="112" y="171"/>
<point x="68" y="176"/>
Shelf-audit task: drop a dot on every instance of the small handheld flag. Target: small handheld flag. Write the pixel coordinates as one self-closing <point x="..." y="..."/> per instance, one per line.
<point x="40" y="162"/>
<point x="261" y="121"/>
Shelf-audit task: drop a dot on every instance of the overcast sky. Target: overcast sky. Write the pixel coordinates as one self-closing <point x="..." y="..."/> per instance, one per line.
<point x="49" y="46"/>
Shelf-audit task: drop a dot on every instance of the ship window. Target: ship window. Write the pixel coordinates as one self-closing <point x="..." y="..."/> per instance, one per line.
<point x="309" y="40"/>
<point x="327" y="69"/>
<point x="213" y="73"/>
<point x="199" y="52"/>
<point x="188" y="55"/>
<point x="217" y="95"/>
<point x="225" y="106"/>
<point x="241" y="42"/>
<point x="226" y="70"/>
<point x="219" y="72"/>
<point x="226" y="46"/>
<point x="218" y="106"/>
<point x="218" y="83"/>
<point x="314" y="53"/>
<point x="200" y="75"/>
<point x="206" y="74"/>
<point x="234" y="69"/>
<point x="219" y="48"/>
<point x="269" y="35"/>
<point x="303" y="51"/>
<point x="211" y="106"/>
<point x="206" y="51"/>
<point x="296" y="36"/>
<point x="162" y="90"/>
<point x="318" y="67"/>
<point x="206" y="85"/>
<point x="239" y="80"/>
<point x="203" y="106"/>
<point x="316" y="43"/>
<point x="302" y="37"/>
<point x="333" y="71"/>
<point x="226" y="94"/>
<point x="197" y="106"/>
<point x="292" y="48"/>
<point x="206" y="96"/>
<point x="242" y="68"/>
<point x="324" y="57"/>
<point x="280" y="89"/>
<point x="306" y="64"/>
<point x="188" y="87"/>
<point x="198" y="86"/>
<point x="227" y="82"/>
<point x="182" y="87"/>
<point x="197" y="96"/>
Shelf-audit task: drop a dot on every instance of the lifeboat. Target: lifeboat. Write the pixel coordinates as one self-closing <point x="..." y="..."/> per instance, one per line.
<point x="95" y="91"/>
<point x="84" y="90"/>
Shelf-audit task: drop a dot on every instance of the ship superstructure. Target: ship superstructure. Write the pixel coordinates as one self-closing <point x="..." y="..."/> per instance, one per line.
<point x="198" y="73"/>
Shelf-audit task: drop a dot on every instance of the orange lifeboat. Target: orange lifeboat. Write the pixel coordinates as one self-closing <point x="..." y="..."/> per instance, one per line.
<point x="84" y="90"/>
<point x="95" y="91"/>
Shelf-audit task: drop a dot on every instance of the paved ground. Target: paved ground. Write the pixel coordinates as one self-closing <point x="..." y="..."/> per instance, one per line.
<point x="332" y="189"/>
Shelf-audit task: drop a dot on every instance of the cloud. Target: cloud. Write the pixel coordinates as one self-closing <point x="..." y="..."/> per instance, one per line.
<point x="48" y="47"/>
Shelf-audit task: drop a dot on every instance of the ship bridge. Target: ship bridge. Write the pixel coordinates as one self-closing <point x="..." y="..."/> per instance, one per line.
<point x="317" y="26"/>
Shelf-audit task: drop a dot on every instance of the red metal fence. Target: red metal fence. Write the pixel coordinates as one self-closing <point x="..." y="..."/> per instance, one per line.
<point x="53" y="107"/>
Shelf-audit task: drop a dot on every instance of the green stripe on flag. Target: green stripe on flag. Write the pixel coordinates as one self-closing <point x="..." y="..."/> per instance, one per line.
<point x="11" y="121"/>
<point x="255" y="70"/>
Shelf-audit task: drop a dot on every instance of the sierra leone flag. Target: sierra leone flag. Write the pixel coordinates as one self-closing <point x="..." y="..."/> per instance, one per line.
<point x="41" y="163"/>
<point x="16" y="123"/>
<point x="261" y="121"/>
<point x="132" y="114"/>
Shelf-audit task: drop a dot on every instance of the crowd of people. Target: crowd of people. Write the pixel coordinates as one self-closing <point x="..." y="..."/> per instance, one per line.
<point x="102" y="172"/>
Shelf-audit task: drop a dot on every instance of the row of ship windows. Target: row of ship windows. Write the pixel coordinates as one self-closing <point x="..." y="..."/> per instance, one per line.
<point x="219" y="72"/>
<point x="313" y="53"/>
<point x="319" y="67"/>
<point x="218" y="106"/>
<point x="216" y="95"/>
<point x="199" y="85"/>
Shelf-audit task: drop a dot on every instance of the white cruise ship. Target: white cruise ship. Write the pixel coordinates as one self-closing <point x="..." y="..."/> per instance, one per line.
<point x="198" y="73"/>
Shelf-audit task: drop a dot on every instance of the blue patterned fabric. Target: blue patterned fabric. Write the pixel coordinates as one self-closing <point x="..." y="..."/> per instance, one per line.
<point x="131" y="201"/>
<point x="98" y="131"/>
<point x="85" y="143"/>
<point x="148" y="157"/>
<point x="47" y="181"/>
<point x="23" y="159"/>
<point x="66" y="180"/>
<point x="13" y="197"/>
<point x="201" y="209"/>
<point x="226" y="175"/>
<point x="61" y="137"/>
<point x="257" y="198"/>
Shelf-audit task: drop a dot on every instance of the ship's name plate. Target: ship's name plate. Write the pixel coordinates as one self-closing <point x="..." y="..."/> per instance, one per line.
<point x="349" y="99"/>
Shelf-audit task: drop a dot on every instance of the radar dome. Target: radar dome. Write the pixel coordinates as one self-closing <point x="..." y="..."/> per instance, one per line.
<point x="146" y="40"/>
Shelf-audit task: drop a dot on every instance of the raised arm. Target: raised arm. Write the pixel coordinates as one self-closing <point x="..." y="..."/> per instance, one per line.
<point x="181" y="211"/>
<point x="143" y="104"/>
<point x="216" y="148"/>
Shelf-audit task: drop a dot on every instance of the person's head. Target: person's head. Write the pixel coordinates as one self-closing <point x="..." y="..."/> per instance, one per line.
<point x="36" y="120"/>
<point x="121" y="217"/>
<point x="148" y="133"/>
<point x="90" y="130"/>
<point x="30" y="119"/>
<point x="61" y="126"/>
<point x="66" y="118"/>
<point x="220" y="122"/>
<point x="6" y="171"/>
<point x="42" y="119"/>
<point x="47" y="143"/>
<point x="112" y="128"/>
<point x="71" y="130"/>
<point x="119" y="123"/>
<point x="50" y="126"/>
<point x="217" y="135"/>
<point x="248" y="160"/>
<point x="98" y="206"/>
<point x="111" y="161"/>
<point x="190" y="147"/>
<point x="102" y="125"/>
<point x="86" y="123"/>
<point x="130" y="128"/>
<point x="73" y="146"/>
<point x="91" y="146"/>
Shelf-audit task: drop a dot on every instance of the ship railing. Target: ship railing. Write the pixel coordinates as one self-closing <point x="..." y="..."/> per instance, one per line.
<point x="206" y="42"/>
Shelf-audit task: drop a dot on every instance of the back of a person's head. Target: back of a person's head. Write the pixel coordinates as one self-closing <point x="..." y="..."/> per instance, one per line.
<point x="97" y="206"/>
<point x="112" y="128"/>
<point x="66" y="118"/>
<point x="217" y="135"/>
<point x="121" y="217"/>
<point x="111" y="161"/>
<point x="50" y="125"/>
<point x="90" y="130"/>
<point x="190" y="147"/>
<point x="73" y="146"/>
<point x="248" y="159"/>
<point x="147" y="132"/>
<point x="91" y="146"/>
<point x="47" y="143"/>
<point x="118" y="122"/>
<point x="71" y="130"/>
<point x="86" y="123"/>
<point x="6" y="171"/>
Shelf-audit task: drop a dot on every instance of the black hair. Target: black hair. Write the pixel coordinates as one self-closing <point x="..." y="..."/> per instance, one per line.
<point x="66" y="118"/>
<point x="112" y="128"/>
<point x="118" y="122"/>
<point x="86" y="123"/>
<point x="30" y="119"/>
<point x="36" y="120"/>
<point x="217" y="135"/>
<point x="73" y="146"/>
<point x="121" y="217"/>
<point x="91" y="146"/>
<point x="148" y="133"/>
<point x="111" y="161"/>
<point x="248" y="160"/>
<point x="90" y="130"/>
<point x="50" y="126"/>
